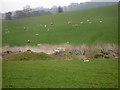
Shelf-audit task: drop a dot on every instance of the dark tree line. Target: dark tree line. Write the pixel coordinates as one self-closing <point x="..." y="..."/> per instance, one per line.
<point x="60" y="9"/>
<point x="28" y="12"/>
<point x="22" y="14"/>
<point x="8" y="15"/>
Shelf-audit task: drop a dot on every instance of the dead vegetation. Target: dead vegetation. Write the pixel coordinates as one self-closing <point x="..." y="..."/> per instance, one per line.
<point x="68" y="52"/>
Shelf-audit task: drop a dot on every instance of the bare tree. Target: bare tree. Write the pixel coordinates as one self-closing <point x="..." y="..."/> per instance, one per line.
<point x="27" y="10"/>
<point x="60" y="9"/>
<point x="8" y="15"/>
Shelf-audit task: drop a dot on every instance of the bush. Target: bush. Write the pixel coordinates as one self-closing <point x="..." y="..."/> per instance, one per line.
<point x="25" y="56"/>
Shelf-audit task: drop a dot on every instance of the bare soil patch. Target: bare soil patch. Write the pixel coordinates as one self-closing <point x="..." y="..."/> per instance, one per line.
<point x="68" y="51"/>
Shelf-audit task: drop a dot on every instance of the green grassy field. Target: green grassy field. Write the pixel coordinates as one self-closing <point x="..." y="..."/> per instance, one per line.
<point x="61" y="31"/>
<point x="34" y="70"/>
<point x="60" y="74"/>
<point x="0" y="74"/>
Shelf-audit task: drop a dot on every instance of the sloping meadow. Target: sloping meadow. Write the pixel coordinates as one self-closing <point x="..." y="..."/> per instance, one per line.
<point x="89" y="26"/>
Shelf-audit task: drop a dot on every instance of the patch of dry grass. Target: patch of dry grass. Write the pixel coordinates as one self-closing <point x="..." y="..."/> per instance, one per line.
<point x="82" y="51"/>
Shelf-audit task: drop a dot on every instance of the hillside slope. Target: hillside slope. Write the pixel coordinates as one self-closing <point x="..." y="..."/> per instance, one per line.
<point x="102" y="26"/>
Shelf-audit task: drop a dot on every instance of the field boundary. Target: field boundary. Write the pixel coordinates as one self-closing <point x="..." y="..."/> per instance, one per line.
<point x="67" y="51"/>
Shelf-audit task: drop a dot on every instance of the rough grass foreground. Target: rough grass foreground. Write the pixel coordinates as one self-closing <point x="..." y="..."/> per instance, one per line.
<point x="23" y="67"/>
<point x="60" y="74"/>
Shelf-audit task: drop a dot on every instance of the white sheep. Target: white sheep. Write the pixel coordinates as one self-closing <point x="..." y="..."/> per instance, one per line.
<point x="86" y="60"/>
<point x="56" y="50"/>
<point x="67" y="42"/>
<point x="100" y="21"/>
<point x="81" y="22"/>
<point x="24" y="28"/>
<point x="69" y="22"/>
<point x="38" y="44"/>
<point x="28" y="41"/>
<point x="36" y="34"/>
<point x="45" y="25"/>
<point x="51" y="23"/>
<point x="88" y="20"/>
<point x="61" y="49"/>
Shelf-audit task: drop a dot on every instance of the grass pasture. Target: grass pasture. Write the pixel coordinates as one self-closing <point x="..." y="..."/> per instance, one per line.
<point x="60" y="74"/>
<point x="39" y="70"/>
<point x="62" y="32"/>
